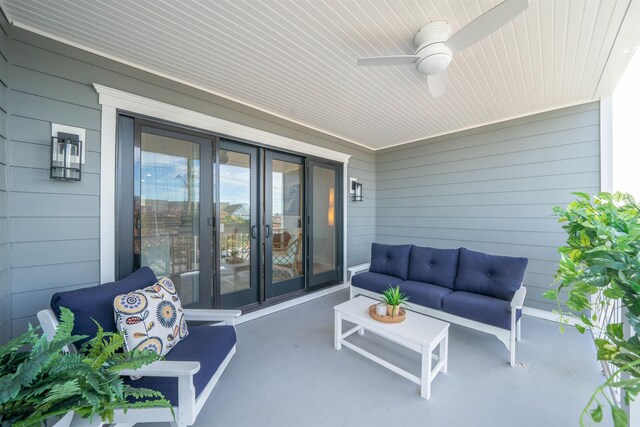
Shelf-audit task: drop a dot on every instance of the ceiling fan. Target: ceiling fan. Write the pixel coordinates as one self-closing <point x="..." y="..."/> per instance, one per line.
<point x="435" y="46"/>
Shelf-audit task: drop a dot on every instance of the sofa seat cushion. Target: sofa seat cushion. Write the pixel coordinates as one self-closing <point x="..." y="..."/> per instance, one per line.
<point x="96" y="302"/>
<point x="430" y="265"/>
<point x="391" y="260"/>
<point x="481" y="308"/>
<point x="424" y="294"/>
<point x="489" y="275"/>
<point x="208" y="345"/>
<point x="374" y="282"/>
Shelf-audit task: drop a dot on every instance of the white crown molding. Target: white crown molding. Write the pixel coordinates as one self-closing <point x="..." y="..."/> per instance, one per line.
<point x="177" y="80"/>
<point x="150" y="107"/>
<point x="489" y="123"/>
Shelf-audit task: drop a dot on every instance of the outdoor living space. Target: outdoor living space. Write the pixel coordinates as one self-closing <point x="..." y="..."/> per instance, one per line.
<point x="319" y="213"/>
<point x="287" y="373"/>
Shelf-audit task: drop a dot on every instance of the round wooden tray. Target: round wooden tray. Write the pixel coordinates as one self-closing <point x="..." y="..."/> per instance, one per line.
<point x="387" y="319"/>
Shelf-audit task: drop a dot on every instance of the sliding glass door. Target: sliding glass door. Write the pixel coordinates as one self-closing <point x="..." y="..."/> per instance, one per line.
<point x="173" y="210"/>
<point x="284" y="228"/>
<point x="325" y="223"/>
<point x="232" y="224"/>
<point x="238" y="233"/>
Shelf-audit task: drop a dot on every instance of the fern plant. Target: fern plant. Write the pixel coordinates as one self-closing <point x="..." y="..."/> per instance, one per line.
<point x="40" y="380"/>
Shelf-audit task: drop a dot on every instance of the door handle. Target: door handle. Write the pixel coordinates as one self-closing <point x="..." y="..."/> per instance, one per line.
<point x="268" y="232"/>
<point x="254" y="232"/>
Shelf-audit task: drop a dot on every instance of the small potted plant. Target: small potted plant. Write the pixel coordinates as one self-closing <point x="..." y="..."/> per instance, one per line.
<point x="394" y="299"/>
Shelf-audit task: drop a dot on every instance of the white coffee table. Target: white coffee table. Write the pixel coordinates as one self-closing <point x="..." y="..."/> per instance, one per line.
<point x="417" y="332"/>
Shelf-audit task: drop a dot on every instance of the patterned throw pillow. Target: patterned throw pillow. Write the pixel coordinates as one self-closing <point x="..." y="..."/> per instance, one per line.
<point x="151" y="318"/>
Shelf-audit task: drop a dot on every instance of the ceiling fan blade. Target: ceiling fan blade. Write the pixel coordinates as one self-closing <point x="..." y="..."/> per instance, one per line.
<point x="388" y="60"/>
<point x="486" y="24"/>
<point x="437" y="83"/>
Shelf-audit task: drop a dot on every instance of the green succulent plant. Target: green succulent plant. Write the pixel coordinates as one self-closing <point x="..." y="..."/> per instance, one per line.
<point x="392" y="296"/>
<point x="40" y="380"/>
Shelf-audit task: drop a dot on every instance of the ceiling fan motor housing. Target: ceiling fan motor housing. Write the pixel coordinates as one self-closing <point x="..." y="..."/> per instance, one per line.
<point x="430" y="41"/>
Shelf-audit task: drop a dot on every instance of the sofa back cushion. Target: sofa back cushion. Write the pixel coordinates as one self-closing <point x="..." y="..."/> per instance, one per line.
<point x="435" y="266"/>
<point x="392" y="260"/>
<point x="96" y="302"/>
<point x="490" y="275"/>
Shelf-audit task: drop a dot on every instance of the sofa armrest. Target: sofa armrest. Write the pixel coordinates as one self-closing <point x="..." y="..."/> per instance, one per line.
<point x="360" y="268"/>
<point x="206" y="315"/>
<point x="518" y="298"/>
<point x="164" y="368"/>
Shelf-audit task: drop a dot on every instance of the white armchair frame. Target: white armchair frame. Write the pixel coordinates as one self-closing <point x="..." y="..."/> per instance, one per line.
<point x="188" y="405"/>
<point x="507" y="337"/>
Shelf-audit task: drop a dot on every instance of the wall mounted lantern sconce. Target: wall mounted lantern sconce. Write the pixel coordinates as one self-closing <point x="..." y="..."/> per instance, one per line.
<point x="356" y="190"/>
<point x="66" y="157"/>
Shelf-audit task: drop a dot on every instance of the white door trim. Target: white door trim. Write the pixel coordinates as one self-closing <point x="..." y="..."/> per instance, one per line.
<point x="114" y="99"/>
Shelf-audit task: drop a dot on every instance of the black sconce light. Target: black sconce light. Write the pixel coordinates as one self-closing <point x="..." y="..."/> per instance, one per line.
<point x="66" y="157"/>
<point x="356" y="189"/>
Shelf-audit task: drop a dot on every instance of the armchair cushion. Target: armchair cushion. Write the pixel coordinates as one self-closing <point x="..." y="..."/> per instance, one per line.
<point x="490" y="275"/>
<point x="391" y="260"/>
<point x="208" y="345"/>
<point x="151" y="318"/>
<point x="96" y="302"/>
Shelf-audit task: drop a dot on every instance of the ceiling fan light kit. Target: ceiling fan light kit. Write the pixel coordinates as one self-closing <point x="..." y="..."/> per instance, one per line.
<point x="435" y="45"/>
<point x="434" y="54"/>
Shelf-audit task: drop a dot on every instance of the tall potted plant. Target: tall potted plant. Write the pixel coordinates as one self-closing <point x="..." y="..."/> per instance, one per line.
<point x="601" y="262"/>
<point x="39" y="380"/>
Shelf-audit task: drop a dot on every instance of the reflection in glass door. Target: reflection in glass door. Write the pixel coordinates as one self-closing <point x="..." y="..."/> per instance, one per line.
<point x="168" y="209"/>
<point x="284" y="231"/>
<point x="325" y="220"/>
<point x="238" y="225"/>
<point x="275" y="225"/>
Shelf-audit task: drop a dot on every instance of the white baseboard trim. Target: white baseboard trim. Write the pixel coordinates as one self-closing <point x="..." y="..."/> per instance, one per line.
<point x="291" y="303"/>
<point x="548" y="315"/>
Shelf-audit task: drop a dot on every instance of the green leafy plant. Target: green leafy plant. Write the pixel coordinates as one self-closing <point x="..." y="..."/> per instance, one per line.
<point x="40" y="380"/>
<point x="599" y="265"/>
<point x="393" y="297"/>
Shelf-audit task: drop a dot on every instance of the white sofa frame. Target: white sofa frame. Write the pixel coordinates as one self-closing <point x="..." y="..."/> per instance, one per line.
<point x="189" y="405"/>
<point x="507" y="337"/>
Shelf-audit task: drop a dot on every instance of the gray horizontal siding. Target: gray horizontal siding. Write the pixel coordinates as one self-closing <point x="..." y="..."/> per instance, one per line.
<point x="50" y="276"/>
<point x="5" y="285"/>
<point x="54" y="227"/>
<point x="492" y="188"/>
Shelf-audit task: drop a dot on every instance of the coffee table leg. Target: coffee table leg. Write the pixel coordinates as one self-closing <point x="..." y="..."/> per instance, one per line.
<point x="337" y="331"/>
<point x="444" y="352"/>
<point x="425" y="374"/>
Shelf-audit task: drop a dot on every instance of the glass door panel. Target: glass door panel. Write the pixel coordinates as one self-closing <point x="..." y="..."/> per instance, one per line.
<point x="325" y="250"/>
<point x="238" y="231"/>
<point x="284" y="234"/>
<point x="168" y="207"/>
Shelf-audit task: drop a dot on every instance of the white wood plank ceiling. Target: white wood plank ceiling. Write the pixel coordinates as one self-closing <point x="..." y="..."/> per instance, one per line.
<point x="297" y="59"/>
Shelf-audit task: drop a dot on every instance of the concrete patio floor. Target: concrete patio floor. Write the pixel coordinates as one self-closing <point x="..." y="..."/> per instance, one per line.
<point x="287" y="373"/>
